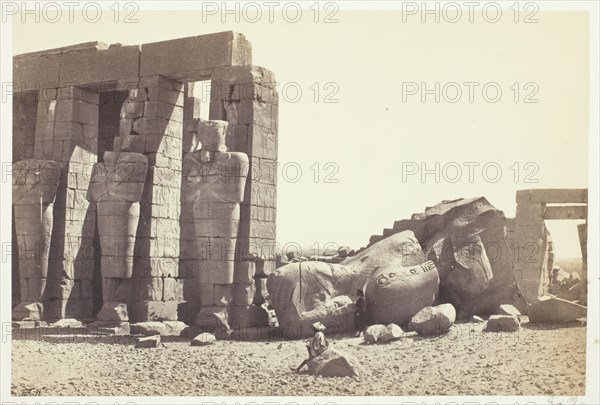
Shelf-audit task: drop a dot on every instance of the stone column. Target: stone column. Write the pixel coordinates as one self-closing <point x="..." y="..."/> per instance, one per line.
<point x="529" y="250"/>
<point x="34" y="191"/>
<point x="151" y="124"/>
<point x="582" y="232"/>
<point x="188" y="269"/>
<point x="214" y="182"/>
<point x="245" y="96"/>
<point x="67" y="132"/>
<point x="116" y="188"/>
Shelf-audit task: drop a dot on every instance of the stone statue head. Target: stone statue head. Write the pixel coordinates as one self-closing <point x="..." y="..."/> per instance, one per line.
<point x="212" y="135"/>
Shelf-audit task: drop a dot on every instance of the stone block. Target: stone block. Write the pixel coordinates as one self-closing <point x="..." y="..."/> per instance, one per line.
<point x="243" y="294"/>
<point x="30" y="71"/>
<point x="502" y="323"/>
<point x="188" y="268"/>
<point x="216" y="272"/>
<point x="132" y="109"/>
<point x="222" y="295"/>
<point x="205" y="292"/>
<point x="166" y="328"/>
<point x="194" y="57"/>
<point x="244" y="272"/>
<point x="148" y="342"/>
<point x="529" y="214"/>
<point x="100" y="65"/>
<point x="186" y="311"/>
<point x="153" y="311"/>
<point x="82" y="308"/>
<point x="149" y="289"/>
<point x="190" y="289"/>
<point x="172" y="291"/>
<point x="163" y="110"/>
<point x="574" y="195"/>
<point x="555" y="310"/>
<point x="157" y="267"/>
<point x="117" y="289"/>
<point x="113" y="311"/>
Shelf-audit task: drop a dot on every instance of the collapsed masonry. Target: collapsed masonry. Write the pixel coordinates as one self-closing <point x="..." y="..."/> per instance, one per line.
<point x="103" y="227"/>
<point x="529" y="245"/>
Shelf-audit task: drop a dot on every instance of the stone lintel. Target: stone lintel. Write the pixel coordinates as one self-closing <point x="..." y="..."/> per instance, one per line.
<point x="566" y="212"/>
<point x="553" y="195"/>
<point x="93" y="63"/>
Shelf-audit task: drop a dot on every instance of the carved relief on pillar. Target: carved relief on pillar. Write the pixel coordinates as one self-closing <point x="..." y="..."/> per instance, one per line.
<point x="35" y="184"/>
<point x="214" y="182"/>
<point x="116" y="188"/>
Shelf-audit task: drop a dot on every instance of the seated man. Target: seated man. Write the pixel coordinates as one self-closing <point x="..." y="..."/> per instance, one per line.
<point x="316" y="345"/>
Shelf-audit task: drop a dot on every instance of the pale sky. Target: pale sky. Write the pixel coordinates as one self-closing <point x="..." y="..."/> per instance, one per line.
<point x="370" y="134"/>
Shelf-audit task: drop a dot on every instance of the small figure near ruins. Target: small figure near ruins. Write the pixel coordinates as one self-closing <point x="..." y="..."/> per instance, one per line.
<point x="316" y="345"/>
<point x="360" y="313"/>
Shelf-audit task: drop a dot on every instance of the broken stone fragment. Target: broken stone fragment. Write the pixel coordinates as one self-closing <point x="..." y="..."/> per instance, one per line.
<point x="372" y="333"/>
<point x="392" y="332"/>
<point x="334" y="363"/>
<point x="165" y="328"/>
<point x="502" y="323"/>
<point x="555" y="310"/>
<point x="28" y="311"/>
<point x="113" y="311"/>
<point x="399" y="284"/>
<point x="433" y="321"/>
<point x="148" y="342"/>
<point x="507" y="309"/>
<point x="214" y="318"/>
<point x="204" y="339"/>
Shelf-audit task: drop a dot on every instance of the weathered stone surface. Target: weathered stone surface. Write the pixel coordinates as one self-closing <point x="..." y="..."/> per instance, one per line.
<point x="215" y="318"/>
<point x="502" y="323"/>
<point x="148" y="342"/>
<point x="466" y="240"/>
<point x="555" y="310"/>
<point x="35" y="181"/>
<point x="34" y="186"/>
<point x="67" y="323"/>
<point x="398" y="281"/>
<point x="108" y="328"/>
<point x="204" y="339"/>
<point x="433" y="321"/>
<point x="119" y="178"/>
<point x="344" y="251"/>
<point x="392" y="332"/>
<point x="153" y="311"/>
<point x="165" y="328"/>
<point x="507" y="309"/>
<point x="113" y="311"/>
<point x="28" y="311"/>
<point x="372" y="333"/>
<point x="193" y="58"/>
<point x="334" y="363"/>
<point x="219" y="180"/>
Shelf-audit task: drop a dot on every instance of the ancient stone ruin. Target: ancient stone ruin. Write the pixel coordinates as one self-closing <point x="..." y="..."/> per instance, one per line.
<point x="128" y="207"/>
<point x="463" y="254"/>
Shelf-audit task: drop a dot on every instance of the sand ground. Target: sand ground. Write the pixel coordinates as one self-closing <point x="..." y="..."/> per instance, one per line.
<point x="467" y="361"/>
